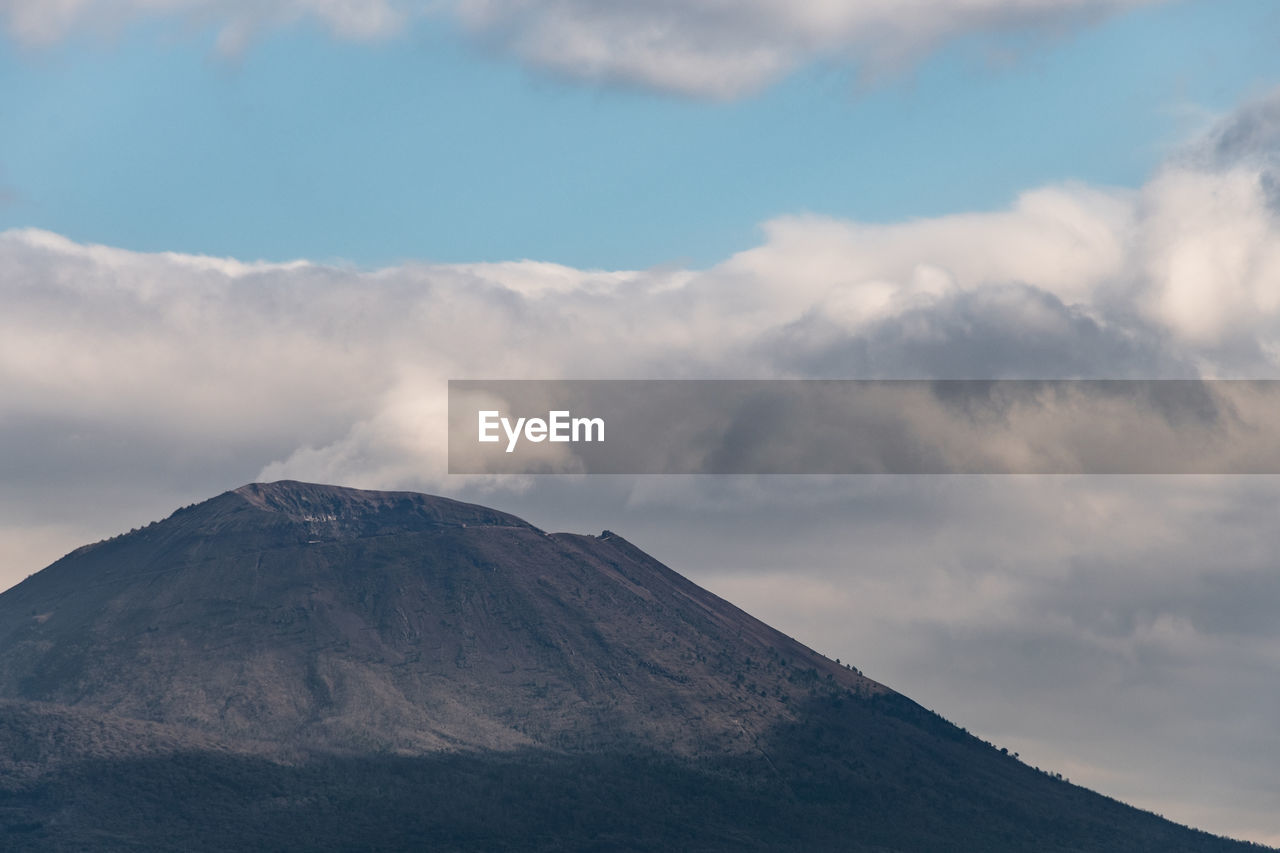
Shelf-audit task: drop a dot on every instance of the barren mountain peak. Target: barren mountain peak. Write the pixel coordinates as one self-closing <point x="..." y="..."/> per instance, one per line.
<point x="313" y="502"/>
<point x="320" y="639"/>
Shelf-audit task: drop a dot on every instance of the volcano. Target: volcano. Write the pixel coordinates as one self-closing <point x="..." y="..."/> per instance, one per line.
<point x="299" y="666"/>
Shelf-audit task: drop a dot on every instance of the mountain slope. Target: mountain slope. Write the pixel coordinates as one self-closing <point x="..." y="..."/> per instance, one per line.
<point x="395" y="621"/>
<point x="283" y="650"/>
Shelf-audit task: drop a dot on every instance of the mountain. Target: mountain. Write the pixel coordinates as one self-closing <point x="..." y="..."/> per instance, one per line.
<point x="297" y="666"/>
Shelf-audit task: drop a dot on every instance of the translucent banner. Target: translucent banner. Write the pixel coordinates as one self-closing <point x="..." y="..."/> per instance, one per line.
<point x="864" y="427"/>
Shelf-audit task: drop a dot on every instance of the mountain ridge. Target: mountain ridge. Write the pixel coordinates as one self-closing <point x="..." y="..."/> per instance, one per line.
<point x="301" y="644"/>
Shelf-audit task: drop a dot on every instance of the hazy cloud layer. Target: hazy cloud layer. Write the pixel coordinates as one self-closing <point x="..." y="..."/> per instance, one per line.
<point x="338" y="374"/>
<point x="1117" y="630"/>
<point x="706" y="48"/>
<point x="1112" y="629"/>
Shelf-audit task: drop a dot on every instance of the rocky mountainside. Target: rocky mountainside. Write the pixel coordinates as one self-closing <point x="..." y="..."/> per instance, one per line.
<point x="397" y="622"/>
<point x="286" y="652"/>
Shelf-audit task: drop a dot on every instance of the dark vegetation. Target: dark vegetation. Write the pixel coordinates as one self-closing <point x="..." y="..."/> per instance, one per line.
<point x="917" y="784"/>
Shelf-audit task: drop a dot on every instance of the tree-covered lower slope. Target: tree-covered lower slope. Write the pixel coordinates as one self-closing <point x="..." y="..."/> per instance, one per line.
<point x="859" y="774"/>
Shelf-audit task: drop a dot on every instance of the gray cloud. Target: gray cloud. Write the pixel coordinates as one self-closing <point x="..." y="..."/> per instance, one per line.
<point x="1003" y="331"/>
<point x="704" y="48"/>
<point x="1090" y="624"/>
<point x="1250" y="135"/>
<point x="713" y="49"/>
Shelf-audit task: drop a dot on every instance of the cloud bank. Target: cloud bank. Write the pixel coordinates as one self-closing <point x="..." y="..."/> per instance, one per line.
<point x="338" y="374"/>
<point x="704" y="48"/>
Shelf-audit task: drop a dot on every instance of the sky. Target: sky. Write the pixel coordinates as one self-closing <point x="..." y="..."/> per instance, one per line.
<point x="247" y="242"/>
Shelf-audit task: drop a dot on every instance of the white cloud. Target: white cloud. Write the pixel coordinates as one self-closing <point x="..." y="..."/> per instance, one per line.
<point x="1065" y="240"/>
<point x="704" y="48"/>
<point x="1212" y="254"/>
<point x="336" y="373"/>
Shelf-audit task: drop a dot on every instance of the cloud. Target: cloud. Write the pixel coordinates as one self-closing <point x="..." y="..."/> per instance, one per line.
<point x="710" y="48"/>
<point x="1107" y="628"/>
<point x="43" y="22"/>
<point x="334" y="373"/>
<point x="1250" y="135"/>
<point x="703" y="48"/>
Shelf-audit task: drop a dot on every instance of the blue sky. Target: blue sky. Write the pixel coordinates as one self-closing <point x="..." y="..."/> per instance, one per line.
<point x="426" y="145"/>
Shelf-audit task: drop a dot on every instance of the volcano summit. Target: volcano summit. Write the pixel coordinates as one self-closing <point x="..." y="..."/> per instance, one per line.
<point x="297" y="666"/>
